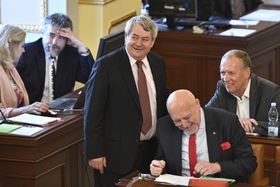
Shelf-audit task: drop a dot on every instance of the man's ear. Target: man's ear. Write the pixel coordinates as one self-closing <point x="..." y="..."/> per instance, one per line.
<point x="197" y="102"/>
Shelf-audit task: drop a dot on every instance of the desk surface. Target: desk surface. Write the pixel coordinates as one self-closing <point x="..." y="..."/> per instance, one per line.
<point x="128" y="182"/>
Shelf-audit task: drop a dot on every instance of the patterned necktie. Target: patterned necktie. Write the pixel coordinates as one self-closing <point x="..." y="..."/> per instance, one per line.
<point x="192" y="155"/>
<point x="51" y="77"/>
<point x="237" y="8"/>
<point x="144" y="99"/>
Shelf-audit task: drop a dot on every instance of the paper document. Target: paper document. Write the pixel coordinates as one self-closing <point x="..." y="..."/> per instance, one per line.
<point x="34" y="119"/>
<point x="237" y="32"/>
<point x="27" y="130"/>
<point x="243" y="22"/>
<point x="173" y="179"/>
<point x="7" y="128"/>
<point x="263" y="15"/>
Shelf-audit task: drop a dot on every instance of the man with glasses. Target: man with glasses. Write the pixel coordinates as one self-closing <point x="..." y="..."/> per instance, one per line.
<point x="51" y="65"/>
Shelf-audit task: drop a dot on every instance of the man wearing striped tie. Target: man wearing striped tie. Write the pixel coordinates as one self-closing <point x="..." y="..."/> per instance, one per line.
<point x="195" y="141"/>
<point x="52" y="64"/>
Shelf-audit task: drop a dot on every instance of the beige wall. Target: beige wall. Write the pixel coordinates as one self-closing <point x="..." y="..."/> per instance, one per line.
<point x="97" y="16"/>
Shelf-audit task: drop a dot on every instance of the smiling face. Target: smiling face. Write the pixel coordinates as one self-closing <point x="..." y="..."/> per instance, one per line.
<point x="138" y="42"/>
<point x="184" y="110"/>
<point x="234" y="76"/>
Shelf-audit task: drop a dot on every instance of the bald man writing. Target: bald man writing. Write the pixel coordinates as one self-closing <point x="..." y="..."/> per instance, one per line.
<point x="195" y="141"/>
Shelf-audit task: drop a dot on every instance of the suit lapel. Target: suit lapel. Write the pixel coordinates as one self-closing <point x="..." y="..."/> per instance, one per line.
<point x="41" y="59"/>
<point x="212" y="137"/>
<point x="253" y="97"/>
<point x="126" y="72"/>
<point x="177" y="147"/>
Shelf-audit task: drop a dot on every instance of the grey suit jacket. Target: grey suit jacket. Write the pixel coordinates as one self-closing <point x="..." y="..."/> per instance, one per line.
<point x="112" y="109"/>
<point x="238" y="162"/>
<point x="262" y="93"/>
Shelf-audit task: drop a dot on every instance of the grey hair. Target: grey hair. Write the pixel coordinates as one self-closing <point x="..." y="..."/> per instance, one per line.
<point x="145" y="22"/>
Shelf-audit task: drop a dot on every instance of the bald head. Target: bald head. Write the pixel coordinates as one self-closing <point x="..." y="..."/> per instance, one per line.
<point x="184" y="109"/>
<point x="180" y="98"/>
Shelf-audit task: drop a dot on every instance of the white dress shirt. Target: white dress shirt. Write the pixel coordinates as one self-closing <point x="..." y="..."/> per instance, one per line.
<point x="151" y="91"/>
<point x="243" y="103"/>
<point x="201" y="146"/>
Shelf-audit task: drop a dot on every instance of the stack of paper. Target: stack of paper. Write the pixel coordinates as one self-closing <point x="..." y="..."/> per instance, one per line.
<point x="34" y="119"/>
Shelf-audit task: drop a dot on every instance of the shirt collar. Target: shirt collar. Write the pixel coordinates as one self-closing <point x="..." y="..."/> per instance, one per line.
<point x="246" y="94"/>
<point x="133" y="61"/>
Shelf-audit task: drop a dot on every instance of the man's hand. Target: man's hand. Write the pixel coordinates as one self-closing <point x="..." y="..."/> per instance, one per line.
<point x="248" y="124"/>
<point x="72" y="39"/>
<point x="156" y="167"/>
<point x="206" y="168"/>
<point x="98" y="164"/>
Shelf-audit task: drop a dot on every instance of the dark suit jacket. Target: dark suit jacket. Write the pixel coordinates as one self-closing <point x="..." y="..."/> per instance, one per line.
<point x="238" y="162"/>
<point x="112" y="109"/>
<point x="262" y="93"/>
<point x="222" y="8"/>
<point x="71" y="67"/>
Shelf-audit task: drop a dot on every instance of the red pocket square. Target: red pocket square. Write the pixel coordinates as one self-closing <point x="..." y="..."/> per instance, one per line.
<point x="225" y="146"/>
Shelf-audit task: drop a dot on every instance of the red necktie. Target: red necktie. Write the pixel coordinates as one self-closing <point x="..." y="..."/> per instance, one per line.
<point x="192" y="154"/>
<point x="144" y="99"/>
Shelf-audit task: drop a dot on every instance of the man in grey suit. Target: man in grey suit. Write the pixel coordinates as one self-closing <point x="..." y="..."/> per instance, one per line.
<point x="244" y="93"/>
<point x="116" y="142"/>
<point x="222" y="147"/>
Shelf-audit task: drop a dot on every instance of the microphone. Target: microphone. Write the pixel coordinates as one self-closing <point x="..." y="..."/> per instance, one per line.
<point x="4" y="120"/>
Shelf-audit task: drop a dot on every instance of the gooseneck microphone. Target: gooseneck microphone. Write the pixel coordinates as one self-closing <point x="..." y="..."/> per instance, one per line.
<point x="4" y="120"/>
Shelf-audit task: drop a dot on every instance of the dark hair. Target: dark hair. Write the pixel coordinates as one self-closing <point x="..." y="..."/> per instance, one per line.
<point x="59" y="20"/>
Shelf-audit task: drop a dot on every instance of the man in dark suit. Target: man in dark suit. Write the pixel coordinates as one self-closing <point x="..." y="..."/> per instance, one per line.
<point x="244" y="93"/>
<point x="224" y="9"/>
<point x="221" y="146"/>
<point x="116" y="140"/>
<point x="72" y="61"/>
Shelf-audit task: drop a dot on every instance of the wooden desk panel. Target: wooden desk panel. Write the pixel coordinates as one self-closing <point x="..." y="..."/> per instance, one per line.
<point x="53" y="157"/>
<point x="269" y="156"/>
<point x="192" y="60"/>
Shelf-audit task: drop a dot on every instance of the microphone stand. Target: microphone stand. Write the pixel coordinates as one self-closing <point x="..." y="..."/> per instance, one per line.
<point x="4" y="120"/>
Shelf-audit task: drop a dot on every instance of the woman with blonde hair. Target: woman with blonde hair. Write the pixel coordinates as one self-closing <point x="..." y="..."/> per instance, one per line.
<point x="13" y="95"/>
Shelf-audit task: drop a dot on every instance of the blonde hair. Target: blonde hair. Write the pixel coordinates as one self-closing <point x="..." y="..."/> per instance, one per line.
<point x="10" y="38"/>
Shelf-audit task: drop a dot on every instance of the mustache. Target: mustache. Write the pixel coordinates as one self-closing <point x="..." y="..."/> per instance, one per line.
<point x="54" y="46"/>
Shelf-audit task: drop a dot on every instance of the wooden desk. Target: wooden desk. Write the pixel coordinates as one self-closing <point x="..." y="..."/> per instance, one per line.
<point x="54" y="157"/>
<point x="145" y="183"/>
<point x="192" y="60"/>
<point x="271" y="169"/>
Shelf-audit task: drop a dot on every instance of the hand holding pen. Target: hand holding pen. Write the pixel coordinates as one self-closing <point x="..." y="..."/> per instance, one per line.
<point x="156" y="167"/>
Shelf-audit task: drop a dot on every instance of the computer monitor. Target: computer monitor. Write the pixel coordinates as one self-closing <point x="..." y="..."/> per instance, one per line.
<point x="173" y="10"/>
<point x="110" y="43"/>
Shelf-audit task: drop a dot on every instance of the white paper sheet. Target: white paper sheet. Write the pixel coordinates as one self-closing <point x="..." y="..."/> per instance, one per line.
<point x="237" y="32"/>
<point x="34" y="119"/>
<point x="27" y="130"/>
<point x="243" y="22"/>
<point x="173" y="179"/>
<point x="263" y="15"/>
